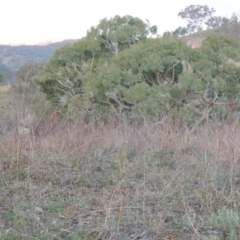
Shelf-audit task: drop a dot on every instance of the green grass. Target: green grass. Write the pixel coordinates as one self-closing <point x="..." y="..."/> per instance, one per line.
<point x="121" y="182"/>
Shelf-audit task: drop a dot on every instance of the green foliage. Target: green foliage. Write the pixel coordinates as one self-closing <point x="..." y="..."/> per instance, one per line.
<point x="222" y="52"/>
<point x="119" y="33"/>
<point x="220" y="48"/>
<point x="226" y="221"/>
<point x="117" y="67"/>
<point x="140" y="78"/>
<point x="157" y="60"/>
<point x="74" y="65"/>
<point x="62" y="78"/>
<point x="189" y="81"/>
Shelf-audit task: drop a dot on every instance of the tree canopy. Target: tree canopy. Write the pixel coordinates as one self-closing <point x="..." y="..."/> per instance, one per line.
<point x="116" y="67"/>
<point x="119" y="33"/>
<point x="195" y="16"/>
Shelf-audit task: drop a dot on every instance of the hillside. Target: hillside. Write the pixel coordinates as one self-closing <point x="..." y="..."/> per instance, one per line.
<point x="195" y="40"/>
<point x="123" y="140"/>
<point x="12" y="57"/>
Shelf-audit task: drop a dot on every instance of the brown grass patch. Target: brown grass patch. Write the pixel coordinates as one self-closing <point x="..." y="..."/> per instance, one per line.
<point x="119" y="181"/>
<point x="5" y="89"/>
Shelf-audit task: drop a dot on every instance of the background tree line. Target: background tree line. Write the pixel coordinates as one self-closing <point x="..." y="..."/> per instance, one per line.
<point x="199" y="17"/>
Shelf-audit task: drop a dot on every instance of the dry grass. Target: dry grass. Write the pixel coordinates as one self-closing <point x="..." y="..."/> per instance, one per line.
<point x="152" y="181"/>
<point x="5" y="89"/>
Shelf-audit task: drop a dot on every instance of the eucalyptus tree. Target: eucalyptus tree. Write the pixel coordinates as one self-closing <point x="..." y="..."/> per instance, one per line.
<point x="223" y="54"/>
<point x="195" y="16"/>
<point x="117" y="67"/>
<point x="217" y="21"/>
<point x="119" y="33"/>
<point x="62" y="77"/>
<point x="143" y="78"/>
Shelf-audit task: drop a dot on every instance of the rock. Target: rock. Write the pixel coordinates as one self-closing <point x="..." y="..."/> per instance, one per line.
<point x="38" y="210"/>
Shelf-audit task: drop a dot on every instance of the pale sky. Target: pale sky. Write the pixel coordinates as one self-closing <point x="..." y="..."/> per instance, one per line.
<point x="35" y="21"/>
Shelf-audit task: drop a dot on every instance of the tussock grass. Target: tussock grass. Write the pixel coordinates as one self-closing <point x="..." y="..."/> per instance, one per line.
<point x="120" y="181"/>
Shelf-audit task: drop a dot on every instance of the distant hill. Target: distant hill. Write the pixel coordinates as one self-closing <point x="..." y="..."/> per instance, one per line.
<point x="12" y="57"/>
